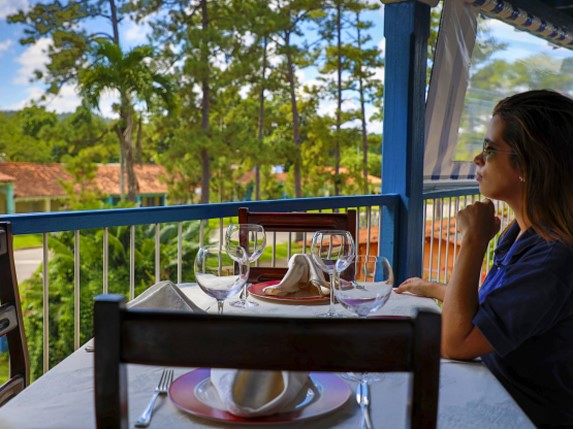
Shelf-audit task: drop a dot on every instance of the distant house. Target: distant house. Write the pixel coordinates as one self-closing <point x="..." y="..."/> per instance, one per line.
<point x="34" y="187"/>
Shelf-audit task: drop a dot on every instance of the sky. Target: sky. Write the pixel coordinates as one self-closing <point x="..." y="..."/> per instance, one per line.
<point x="17" y="64"/>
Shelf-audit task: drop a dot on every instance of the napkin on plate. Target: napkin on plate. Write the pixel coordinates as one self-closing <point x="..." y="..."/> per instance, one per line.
<point x="302" y="274"/>
<point x="248" y="393"/>
<point x="164" y="295"/>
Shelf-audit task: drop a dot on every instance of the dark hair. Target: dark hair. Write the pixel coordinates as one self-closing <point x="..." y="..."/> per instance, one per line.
<point x="538" y="126"/>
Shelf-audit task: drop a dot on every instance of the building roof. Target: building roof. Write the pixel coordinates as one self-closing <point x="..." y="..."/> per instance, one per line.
<point x="149" y="178"/>
<point x="35" y="179"/>
<point x="43" y="180"/>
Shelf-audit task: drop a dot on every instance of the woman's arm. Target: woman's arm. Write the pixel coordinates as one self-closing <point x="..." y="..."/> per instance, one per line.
<point x="460" y="338"/>
<point x="422" y="287"/>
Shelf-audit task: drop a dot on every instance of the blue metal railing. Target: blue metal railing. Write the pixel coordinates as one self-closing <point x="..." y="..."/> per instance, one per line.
<point x="440" y="208"/>
<point x="369" y="207"/>
<point x="441" y="240"/>
<point x="34" y="223"/>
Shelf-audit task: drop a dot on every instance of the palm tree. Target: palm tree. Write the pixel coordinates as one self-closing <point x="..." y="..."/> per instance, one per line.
<point x="136" y="78"/>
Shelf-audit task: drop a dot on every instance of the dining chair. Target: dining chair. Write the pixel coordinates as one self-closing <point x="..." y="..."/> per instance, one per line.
<point x="184" y="339"/>
<point x="297" y="222"/>
<point x="11" y="320"/>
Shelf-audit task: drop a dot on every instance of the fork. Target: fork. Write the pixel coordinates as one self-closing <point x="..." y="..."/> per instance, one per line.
<point x="161" y="389"/>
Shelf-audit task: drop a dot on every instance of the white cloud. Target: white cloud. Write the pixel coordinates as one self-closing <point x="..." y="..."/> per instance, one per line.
<point x="5" y="45"/>
<point x="66" y="101"/>
<point x="8" y="7"/>
<point x="33" y="58"/>
<point x="32" y="93"/>
<point x="134" y="33"/>
<point x="382" y="45"/>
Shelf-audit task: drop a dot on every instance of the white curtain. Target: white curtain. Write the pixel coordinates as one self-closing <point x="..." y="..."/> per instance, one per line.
<point x="450" y="75"/>
<point x="448" y="85"/>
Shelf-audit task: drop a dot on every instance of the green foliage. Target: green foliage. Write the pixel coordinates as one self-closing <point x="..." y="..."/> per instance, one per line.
<point x="34" y="134"/>
<point x="238" y="105"/>
<point x="61" y="280"/>
<point x="27" y="241"/>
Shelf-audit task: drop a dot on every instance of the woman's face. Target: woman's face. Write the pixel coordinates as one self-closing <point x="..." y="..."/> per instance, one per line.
<point x="496" y="174"/>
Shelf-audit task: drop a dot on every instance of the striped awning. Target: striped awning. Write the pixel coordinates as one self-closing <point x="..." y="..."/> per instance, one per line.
<point x="450" y="76"/>
<point x="524" y="20"/>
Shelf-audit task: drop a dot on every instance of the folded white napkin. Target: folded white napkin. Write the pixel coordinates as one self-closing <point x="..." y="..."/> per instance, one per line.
<point x="248" y="393"/>
<point x="302" y="274"/>
<point x="164" y="295"/>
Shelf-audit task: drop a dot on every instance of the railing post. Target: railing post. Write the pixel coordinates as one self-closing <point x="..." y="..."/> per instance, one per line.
<point x="406" y="29"/>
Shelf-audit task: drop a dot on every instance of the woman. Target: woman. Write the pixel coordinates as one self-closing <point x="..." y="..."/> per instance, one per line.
<point x="521" y="320"/>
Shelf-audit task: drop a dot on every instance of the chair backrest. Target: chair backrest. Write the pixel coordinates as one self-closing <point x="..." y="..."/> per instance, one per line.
<point x="294" y="222"/>
<point x="155" y="337"/>
<point x="11" y="320"/>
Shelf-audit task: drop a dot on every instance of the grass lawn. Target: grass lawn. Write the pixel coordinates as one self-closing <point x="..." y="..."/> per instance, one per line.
<point x="4" y="367"/>
<point x="27" y="241"/>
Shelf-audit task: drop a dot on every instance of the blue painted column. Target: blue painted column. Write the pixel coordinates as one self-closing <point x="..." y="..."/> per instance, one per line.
<point x="406" y="29"/>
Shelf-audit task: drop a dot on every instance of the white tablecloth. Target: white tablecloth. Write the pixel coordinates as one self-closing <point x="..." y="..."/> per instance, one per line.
<point x="470" y="396"/>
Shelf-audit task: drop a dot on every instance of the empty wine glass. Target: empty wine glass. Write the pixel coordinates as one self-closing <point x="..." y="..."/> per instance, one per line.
<point x="367" y="285"/>
<point x="333" y="252"/>
<point x="219" y="275"/>
<point x="363" y="288"/>
<point x="252" y="239"/>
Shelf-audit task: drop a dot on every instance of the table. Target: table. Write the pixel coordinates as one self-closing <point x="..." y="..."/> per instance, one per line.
<point x="470" y="396"/>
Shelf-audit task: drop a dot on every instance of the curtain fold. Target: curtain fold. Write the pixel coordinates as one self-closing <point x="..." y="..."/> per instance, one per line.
<point x="447" y="90"/>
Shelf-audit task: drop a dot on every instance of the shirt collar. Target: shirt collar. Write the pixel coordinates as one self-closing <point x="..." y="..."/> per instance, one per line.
<point x="509" y="248"/>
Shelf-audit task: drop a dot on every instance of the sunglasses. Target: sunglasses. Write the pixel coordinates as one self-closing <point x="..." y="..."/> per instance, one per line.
<point x="488" y="151"/>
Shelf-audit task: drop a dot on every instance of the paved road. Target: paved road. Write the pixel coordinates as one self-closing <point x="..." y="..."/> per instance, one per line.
<point x="27" y="261"/>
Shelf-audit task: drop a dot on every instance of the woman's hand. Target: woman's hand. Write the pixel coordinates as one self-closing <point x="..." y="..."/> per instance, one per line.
<point x="421" y="287"/>
<point x="478" y="221"/>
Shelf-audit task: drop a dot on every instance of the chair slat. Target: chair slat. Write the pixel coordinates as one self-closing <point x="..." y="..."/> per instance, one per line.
<point x="294" y="222"/>
<point x="182" y="339"/>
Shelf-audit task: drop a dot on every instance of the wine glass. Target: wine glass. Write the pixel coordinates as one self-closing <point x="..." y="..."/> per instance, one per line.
<point x="363" y="289"/>
<point x="219" y="275"/>
<point x="333" y="252"/>
<point x="367" y="287"/>
<point x="252" y="239"/>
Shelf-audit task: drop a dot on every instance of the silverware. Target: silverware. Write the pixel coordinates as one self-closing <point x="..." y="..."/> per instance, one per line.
<point x="363" y="399"/>
<point x="161" y="389"/>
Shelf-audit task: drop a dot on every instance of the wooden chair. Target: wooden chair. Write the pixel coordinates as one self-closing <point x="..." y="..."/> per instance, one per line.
<point x="182" y="339"/>
<point x="294" y="222"/>
<point x="11" y="321"/>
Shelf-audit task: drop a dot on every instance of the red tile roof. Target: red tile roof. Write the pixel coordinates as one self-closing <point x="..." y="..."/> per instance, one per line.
<point x="149" y="177"/>
<point x="44" y="180"/>
<point x="36" y="180"/>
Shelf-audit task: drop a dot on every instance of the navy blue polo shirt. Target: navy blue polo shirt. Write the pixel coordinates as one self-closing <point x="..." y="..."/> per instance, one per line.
<point x="526" y="313"/>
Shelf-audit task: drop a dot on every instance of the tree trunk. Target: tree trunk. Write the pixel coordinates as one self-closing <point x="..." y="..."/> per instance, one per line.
<point x="295" y="119"/>
<point x="338" y="99"/>
<point x="364" y="133"/>
<point x="138" y="148"/>
<point x="125" y="128"/>
<point x="114" y="21"/>
<point x="126" y="119"/>
<point x="260" y="123"/>
<point x="205" y="107"/>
